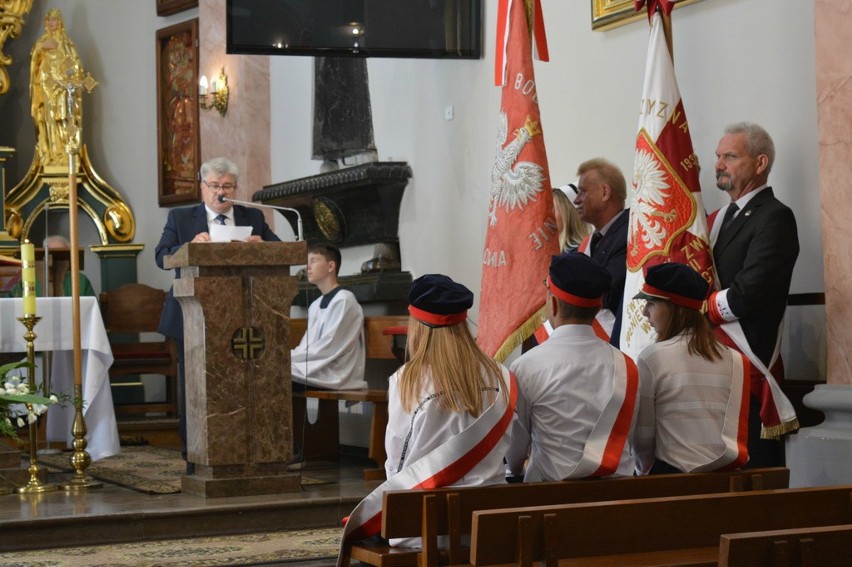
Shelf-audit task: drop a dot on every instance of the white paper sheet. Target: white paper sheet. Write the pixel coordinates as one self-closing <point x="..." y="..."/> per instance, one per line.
<point x="225" y="233"/>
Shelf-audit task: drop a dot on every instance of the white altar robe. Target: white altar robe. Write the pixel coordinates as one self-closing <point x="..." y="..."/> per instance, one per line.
<point x="332" y="352"/>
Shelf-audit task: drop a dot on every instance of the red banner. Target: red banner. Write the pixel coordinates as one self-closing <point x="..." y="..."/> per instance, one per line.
<point x="521" y="235"/>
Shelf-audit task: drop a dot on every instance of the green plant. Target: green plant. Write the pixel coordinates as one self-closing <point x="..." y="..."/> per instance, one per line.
<point x="18" y="405"/>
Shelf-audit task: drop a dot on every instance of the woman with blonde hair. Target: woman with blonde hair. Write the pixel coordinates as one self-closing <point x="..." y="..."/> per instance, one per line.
<point x="449" y="407"/>
<point x="447" y="386"/>
<point x="570" y="228"/>
<point x="693" y="390"/>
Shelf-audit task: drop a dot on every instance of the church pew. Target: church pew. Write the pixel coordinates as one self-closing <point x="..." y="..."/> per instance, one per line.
<point x="683" y="530"/>
<point x="825" y="546"/>
<point x="448" y="511"/>
<point x="322" y="437"/>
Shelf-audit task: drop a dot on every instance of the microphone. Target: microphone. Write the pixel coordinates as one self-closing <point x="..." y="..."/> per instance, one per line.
<point x="222" y="199"/>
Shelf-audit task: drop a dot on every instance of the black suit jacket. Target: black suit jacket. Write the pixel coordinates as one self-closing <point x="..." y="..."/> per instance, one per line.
<point x="754" y="259"/>
<point x="611" y="253"/>
<point x="182" y="225"/>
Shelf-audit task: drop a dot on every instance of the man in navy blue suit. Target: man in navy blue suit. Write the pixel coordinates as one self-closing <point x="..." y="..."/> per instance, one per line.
<point x="219" y="177"/>
<point x="601" y="194"/>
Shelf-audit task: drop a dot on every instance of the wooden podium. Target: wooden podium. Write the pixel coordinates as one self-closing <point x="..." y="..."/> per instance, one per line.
<point x="235" y="299"/>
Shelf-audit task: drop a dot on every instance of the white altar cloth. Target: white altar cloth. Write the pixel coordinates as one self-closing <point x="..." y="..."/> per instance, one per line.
<point x="54" y="333"/>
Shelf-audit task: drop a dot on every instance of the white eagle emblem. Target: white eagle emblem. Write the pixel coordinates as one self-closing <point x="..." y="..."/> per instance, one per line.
<point x="514" y="186"/>
<point x="650" y="196"/>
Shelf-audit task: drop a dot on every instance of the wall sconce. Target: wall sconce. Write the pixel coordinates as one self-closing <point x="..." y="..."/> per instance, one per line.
<point x="214" y="95"/>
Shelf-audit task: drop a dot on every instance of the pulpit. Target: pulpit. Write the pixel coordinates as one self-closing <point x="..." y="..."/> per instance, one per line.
<point x="235" y="299"/>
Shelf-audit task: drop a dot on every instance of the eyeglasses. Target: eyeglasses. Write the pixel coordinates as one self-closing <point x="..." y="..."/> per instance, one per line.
<point x="226" y="187"/>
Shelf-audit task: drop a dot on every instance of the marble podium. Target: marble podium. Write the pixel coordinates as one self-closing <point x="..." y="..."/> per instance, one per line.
<point x="235" y="299"/>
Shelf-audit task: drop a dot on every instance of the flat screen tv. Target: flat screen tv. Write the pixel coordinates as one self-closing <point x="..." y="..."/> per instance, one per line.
<point x="439" y="29"/>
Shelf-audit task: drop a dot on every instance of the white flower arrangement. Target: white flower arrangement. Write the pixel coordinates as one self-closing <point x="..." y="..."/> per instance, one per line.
<point x="18" y="406"/>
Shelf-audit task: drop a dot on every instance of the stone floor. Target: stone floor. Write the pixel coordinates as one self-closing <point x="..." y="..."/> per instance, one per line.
<point x="113" y="514"/>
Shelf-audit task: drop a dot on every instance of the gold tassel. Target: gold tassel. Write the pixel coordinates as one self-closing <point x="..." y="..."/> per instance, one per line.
<point x="777" y="431"/>
<point x="515" y="339"/>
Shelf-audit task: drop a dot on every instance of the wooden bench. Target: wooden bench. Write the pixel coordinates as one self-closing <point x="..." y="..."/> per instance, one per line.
<point x="825" y="546"/>
<point x="683" y="530"/>
<point x="448" y="511"/>
<point x="322" y="438"/>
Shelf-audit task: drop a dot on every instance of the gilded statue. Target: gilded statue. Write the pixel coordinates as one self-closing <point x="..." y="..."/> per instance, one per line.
<point x="61" y="167"/>
<point x="53" y="58"/>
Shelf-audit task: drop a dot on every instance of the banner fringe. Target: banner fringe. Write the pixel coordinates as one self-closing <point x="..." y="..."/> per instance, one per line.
<point x="777" y="431"/>
<point x="517" y="337"/>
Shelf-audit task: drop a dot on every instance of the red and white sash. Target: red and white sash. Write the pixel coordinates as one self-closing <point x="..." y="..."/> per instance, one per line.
<point x="441" y="467"/>
<point x="605" y="444"/>
<point x="777" y="414"/>
<point x="735" y="428"/>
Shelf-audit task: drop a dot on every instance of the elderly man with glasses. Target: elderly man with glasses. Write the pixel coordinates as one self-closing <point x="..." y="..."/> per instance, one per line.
<point x="219" y="178"/>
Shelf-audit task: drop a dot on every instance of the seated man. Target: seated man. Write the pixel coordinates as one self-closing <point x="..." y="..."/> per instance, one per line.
<point x="331" y="353"/>
<point x="61" y="274"/>
<point x="576" y="393"/>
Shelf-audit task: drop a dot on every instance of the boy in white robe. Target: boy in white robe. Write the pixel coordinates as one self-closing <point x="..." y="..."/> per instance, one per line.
<point x="331" y="353"/>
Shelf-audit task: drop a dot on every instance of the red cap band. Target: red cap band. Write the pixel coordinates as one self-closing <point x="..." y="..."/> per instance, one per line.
<point x="673" y="297"/>
<point x="573" y="299"/>
<point x="435" y="319"/>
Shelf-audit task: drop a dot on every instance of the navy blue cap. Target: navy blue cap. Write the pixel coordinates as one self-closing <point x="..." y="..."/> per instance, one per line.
<point x="438" y="301"/>
<point x="577" y="279"/>
<point x="675" y="283"/>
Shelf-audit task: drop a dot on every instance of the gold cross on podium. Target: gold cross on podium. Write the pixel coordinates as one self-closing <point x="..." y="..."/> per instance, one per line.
<point x="247" y="343"/>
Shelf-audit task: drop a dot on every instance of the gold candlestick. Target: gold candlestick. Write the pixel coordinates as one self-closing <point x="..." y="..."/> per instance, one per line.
<point x="80" y="459"/>
<point x="34" y="485"/>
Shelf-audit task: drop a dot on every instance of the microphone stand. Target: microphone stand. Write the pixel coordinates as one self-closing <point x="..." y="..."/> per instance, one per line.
<point x="299" y="237"/>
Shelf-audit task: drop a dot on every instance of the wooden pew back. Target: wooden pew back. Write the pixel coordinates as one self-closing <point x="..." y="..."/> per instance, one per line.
<point x="824" y="546"/>
<point x="405" y="514"/>
<point x="402" y="509"/>
<point x="609" y="529"/>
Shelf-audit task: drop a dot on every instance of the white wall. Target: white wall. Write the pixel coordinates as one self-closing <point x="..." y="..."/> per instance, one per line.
<point x="735" y="60"/>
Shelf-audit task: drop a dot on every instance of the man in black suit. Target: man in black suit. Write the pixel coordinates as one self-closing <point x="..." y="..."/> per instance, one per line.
<point x="601" y="193"/>
<point x="219" y="177"/>
<point x="755" y="249"/>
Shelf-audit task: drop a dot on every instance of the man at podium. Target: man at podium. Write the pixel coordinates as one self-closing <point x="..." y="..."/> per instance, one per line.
<point x="219" y="178"/>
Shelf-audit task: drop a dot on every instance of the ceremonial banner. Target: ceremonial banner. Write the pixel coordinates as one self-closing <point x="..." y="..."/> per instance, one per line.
<point x="667" y="220"/>
<point x="521" y="234"/>
<point x="668" y="223"/>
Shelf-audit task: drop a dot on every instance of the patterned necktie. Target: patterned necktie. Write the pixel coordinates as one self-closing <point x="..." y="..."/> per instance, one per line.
<point x="220" y="219"/>
<point x="729" y="216"/>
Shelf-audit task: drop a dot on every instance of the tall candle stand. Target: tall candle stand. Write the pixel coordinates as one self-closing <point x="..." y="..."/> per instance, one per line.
<point x="72" y="80"/>
<point x="34" y="486"/>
